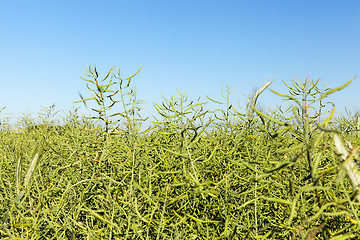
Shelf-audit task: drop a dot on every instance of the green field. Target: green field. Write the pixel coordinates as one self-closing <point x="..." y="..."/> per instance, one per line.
<point x="194" y="173"/>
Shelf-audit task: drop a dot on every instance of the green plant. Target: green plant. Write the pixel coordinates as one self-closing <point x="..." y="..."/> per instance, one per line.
<point x="195" y="173"/>
<point x="307" y="127"/>
<point x="4" y="120"/>
<point x="105" y="97"/>
<point x="349" y="124"/>
<point x="181" y="118"/>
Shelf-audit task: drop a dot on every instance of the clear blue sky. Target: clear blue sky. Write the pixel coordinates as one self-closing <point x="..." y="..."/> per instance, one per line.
<point x="195" y="46"/>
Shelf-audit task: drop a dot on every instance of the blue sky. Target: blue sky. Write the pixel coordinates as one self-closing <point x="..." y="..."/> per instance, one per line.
<point x="195" y="46"/>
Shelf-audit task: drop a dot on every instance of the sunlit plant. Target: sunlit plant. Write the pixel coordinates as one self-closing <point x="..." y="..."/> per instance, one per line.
<point x="261" y="174"/>
<point x="106" y="96"/>
<point x="305" y="124"/>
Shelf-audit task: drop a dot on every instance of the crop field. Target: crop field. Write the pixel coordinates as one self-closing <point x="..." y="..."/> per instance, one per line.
<point x="194" y="173"/>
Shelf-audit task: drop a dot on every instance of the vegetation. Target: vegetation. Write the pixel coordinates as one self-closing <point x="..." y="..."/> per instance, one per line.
<point x="195" y="173"/>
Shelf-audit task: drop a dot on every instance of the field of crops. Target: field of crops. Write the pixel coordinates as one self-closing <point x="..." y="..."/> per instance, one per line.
<point x="195" y="173"/>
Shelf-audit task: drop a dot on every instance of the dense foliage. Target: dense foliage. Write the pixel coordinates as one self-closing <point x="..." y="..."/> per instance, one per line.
<point x="194" y="173"/>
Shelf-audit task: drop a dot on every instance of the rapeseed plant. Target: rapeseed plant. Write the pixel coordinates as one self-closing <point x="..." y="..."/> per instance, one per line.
<point x="258" y="174"/>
